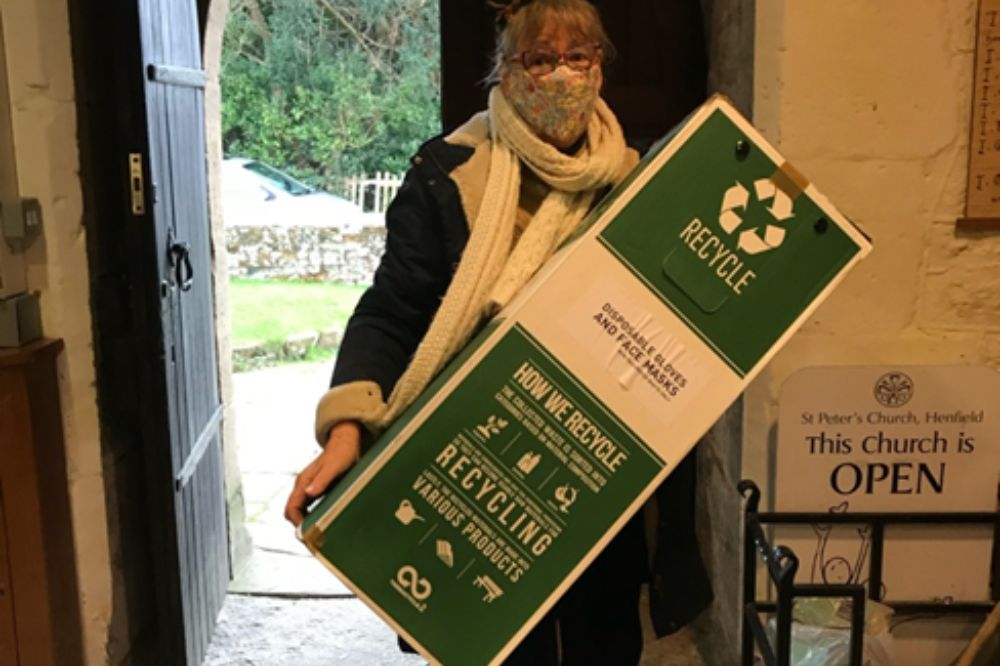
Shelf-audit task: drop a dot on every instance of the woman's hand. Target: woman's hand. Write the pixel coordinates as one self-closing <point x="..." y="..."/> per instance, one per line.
<point x="342" y="450"/>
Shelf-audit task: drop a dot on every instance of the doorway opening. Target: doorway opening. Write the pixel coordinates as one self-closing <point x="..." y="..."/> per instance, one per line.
<point x="157" y="612"/>
<point x="321" y="104"/>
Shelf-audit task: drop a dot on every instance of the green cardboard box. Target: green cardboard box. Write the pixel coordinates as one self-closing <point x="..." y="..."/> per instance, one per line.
<point x="481" y="505"/>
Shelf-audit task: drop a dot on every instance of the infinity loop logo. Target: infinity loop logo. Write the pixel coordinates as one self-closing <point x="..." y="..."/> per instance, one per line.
<point x="410" y="580"/>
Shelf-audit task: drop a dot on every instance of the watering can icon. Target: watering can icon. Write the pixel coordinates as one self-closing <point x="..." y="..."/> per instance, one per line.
<point x="406" y="514"/>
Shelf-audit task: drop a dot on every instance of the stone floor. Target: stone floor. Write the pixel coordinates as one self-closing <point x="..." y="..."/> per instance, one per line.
<point x="266" y="631"/>
<point x="271" y="631"/>
<point x="284" y="607"/>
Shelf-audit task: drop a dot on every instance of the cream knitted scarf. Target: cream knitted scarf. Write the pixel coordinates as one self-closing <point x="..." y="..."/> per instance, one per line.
<point x="490" y="272"/>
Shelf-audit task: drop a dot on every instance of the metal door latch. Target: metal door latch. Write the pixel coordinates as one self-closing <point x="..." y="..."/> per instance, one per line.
<point x="136" y="185"/>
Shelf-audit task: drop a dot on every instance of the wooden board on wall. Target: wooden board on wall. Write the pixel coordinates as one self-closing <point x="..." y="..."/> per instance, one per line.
<point x="982" y="201"/>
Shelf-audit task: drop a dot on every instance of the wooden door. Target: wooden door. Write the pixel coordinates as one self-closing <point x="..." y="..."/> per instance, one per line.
<point x="197" y="569"/>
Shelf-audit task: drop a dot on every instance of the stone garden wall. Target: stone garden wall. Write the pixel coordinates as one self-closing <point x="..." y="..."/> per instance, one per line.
<point x="323" y="254"/>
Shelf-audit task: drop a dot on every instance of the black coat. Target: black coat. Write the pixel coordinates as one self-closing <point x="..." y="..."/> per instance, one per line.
<point x="427" y="231"/>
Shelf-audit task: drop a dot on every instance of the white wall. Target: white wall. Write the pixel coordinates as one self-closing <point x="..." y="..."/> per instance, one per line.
<point x="44" y="122"/>
<point x="871" y="101"/>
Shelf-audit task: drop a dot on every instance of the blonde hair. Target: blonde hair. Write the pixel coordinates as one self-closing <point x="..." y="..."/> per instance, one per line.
<point x="522" y="21"/>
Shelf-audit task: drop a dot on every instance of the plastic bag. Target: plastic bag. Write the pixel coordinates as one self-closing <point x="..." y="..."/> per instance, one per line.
<point x="821" y="634"/>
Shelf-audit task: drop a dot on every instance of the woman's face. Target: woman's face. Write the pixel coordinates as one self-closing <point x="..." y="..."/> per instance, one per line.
<point x="556" y="104"/>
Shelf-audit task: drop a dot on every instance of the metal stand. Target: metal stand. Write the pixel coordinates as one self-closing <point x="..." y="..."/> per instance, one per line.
<point x="782" y="564"/>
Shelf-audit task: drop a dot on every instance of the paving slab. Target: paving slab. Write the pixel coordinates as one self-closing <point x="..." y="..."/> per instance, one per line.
<point x="275" y="410"/>
<point x="282" y="566"/>
<point x="274" y="415"/>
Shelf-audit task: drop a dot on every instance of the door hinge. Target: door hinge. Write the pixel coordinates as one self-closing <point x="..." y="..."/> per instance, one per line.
<point x="136" y="185"/>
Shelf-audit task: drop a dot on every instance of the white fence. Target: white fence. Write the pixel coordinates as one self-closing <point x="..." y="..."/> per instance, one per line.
<point x="374" y="193"/>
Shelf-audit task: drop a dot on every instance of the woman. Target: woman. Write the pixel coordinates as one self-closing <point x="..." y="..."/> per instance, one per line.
<point x="479" y="211"/>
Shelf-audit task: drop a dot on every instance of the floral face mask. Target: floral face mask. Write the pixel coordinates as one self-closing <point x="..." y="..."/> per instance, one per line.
<point x="557" y="105"/>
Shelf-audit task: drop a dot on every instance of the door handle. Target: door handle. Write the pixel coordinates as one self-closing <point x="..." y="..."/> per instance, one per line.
<point x="180" y="259"/>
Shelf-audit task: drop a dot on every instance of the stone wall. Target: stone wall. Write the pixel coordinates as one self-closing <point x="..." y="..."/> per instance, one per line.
<point x="730" y="40"/>
<point x="729" y="28"/>
<point x="43" y="115"/>
<point x="213" y="18"/>
<point x="872" y="101"/>
<point x="305" y="253"/>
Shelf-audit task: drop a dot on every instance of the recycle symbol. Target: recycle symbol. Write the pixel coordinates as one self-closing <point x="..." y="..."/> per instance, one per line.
<point x="750" y="240"/>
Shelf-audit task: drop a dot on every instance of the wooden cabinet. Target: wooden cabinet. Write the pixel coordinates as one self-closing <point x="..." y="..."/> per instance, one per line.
<point x="39" y="615"/>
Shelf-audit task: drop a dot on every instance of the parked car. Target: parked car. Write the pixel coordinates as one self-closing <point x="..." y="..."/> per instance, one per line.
<point x="257" y="194"/>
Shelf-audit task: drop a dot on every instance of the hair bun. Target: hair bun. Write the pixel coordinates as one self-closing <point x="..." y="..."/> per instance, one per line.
<point x="506" y="9"/>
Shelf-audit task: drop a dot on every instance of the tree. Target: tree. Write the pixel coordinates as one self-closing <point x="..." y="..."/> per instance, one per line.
<point x="330" y="88"/>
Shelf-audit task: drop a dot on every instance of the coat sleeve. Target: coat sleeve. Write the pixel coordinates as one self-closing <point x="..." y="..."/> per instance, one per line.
<point x="394" y="313"/>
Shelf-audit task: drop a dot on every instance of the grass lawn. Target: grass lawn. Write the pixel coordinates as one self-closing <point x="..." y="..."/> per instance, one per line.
<point x="268" y="311"/>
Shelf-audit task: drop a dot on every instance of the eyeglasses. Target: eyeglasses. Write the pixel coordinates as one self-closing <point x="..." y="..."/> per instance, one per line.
<point x="538" y="62"/>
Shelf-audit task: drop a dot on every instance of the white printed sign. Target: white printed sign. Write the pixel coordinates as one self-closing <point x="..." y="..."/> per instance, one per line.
<point x="891" y="439"/>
